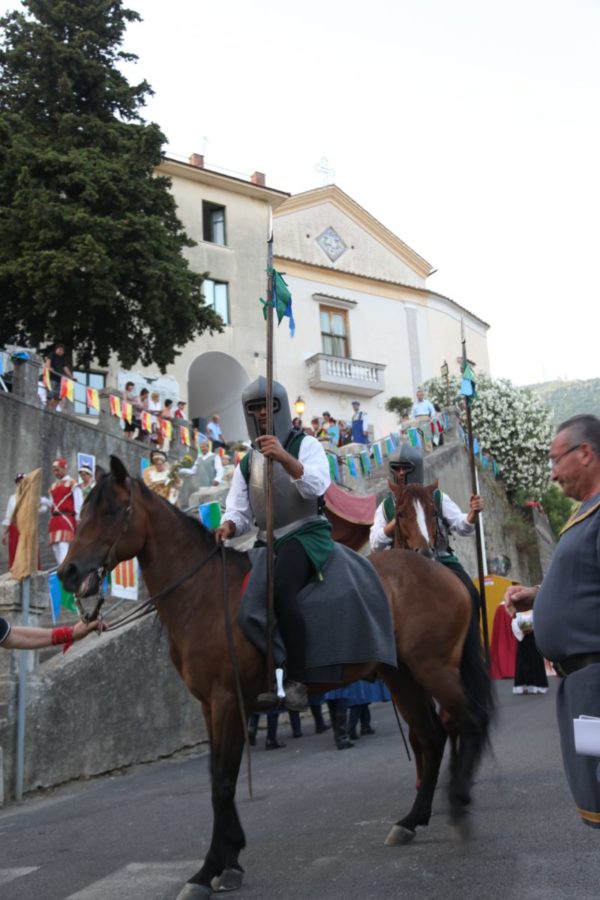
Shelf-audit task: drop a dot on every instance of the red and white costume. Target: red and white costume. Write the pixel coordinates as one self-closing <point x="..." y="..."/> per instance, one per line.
<point x="65" y="507"/>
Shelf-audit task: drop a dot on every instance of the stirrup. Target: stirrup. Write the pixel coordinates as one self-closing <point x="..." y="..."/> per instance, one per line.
<point x="267" y="701"/>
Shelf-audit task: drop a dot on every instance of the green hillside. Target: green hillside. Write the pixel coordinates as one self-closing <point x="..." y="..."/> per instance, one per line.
<point x="570" y="398"/>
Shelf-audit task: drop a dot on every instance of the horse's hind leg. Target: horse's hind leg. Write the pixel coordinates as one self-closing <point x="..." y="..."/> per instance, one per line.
<point x="427" y="738"/>
<point x="467" y="723"/>
<point x="221" y="869"/>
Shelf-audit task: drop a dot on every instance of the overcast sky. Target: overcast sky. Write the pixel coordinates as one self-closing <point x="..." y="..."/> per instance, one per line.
<point x="470" y="128"/>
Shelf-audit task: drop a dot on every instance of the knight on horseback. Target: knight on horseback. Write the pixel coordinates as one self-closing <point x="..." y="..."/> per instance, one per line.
<point x="302" y="534"/>
<point x="406" y="467"/>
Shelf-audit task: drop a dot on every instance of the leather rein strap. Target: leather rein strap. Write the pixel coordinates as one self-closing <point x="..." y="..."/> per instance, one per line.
<point x="147" y="606"/>
<point x="235" y="666"/>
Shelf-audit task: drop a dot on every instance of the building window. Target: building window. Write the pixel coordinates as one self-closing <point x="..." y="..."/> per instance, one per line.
<point x="216" y="295"/>
<point x="84" y="380"/>
<point x="334" y="331"/>
<point x="213" y="223"/>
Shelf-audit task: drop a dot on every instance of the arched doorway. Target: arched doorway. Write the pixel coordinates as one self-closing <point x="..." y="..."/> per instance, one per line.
<point x="215" y="385"/>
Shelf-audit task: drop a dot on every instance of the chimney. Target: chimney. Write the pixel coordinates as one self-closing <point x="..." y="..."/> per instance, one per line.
<point x="258" y="178"/>
<point x="197" y="160"/>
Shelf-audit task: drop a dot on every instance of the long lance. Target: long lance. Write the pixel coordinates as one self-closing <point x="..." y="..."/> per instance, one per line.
<point x="479" y="525"/>
<point x="269" y="470"/>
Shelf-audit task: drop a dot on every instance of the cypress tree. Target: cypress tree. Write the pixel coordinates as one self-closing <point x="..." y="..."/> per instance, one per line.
<point x="91" y="249"/>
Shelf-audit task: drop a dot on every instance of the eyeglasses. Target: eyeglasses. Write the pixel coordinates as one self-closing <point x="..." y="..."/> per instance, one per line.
<point x="554" y="462"/>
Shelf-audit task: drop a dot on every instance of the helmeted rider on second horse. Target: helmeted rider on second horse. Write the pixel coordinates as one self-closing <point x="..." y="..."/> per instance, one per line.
<point x="302" y="535"/>
<point x="406" y="467"/>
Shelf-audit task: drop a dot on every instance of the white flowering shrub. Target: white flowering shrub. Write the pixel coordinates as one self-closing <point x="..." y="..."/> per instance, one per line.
<point x="513" y="424"/>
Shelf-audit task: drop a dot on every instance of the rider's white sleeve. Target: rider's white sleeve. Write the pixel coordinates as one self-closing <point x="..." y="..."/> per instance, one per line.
<point x="378" y="539"/>
<point x="316" y="477"/>
<point x="456" y="518"/>
<point x="237" y="505"/>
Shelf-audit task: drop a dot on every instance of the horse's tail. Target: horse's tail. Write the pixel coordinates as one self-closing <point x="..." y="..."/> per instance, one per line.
<point x="478" y="688"/>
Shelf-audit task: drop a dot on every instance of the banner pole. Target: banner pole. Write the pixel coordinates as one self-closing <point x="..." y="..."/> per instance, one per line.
<point x="479" y="524"/>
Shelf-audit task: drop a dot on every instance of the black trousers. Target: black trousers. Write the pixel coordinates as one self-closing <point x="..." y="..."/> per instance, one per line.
<point x="293" y="570"/>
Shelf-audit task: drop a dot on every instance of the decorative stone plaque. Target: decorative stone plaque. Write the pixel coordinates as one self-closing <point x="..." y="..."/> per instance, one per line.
<point x="332" y="244"/>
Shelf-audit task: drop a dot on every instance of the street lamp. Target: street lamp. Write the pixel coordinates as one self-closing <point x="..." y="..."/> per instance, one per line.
<point x="299" y="406"/>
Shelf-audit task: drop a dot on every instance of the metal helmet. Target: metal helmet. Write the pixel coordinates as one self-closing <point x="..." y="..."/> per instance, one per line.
<point x="254" y="398"/>
<point x="406" y="465"/>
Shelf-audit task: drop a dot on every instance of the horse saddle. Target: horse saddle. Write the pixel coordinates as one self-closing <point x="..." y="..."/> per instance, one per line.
<point x="347" y="616"/>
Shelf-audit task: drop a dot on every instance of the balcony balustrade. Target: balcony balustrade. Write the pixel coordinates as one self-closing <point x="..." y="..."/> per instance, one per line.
<point x="350" y="376"/>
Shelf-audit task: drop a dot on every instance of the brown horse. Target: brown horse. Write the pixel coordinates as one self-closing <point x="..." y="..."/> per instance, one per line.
<point x="431" y="611"/>
<point x="416" y="528"/>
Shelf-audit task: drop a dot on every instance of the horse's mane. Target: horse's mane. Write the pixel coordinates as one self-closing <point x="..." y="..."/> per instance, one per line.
<point x="102" y="491"/>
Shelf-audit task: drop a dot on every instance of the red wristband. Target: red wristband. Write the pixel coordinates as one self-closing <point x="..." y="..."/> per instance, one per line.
<point x="63" y="636"/>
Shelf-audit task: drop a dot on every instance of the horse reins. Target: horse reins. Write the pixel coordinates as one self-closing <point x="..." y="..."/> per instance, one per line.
<point x="235" y="666"/>
<point x="146" y="606"/>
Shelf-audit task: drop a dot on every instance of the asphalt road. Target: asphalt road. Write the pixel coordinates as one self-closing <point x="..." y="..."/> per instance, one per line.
<point x="316" y="825"/>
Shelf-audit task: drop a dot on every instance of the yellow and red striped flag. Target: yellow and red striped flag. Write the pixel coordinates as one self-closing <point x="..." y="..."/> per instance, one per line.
<point x="47" y="378"/>
<point x="92" y="398"/>
<point x="126" y="411"/>
<point x="146" y="422"/>
<point x="115" y="405"/>
<point x="166" y="429"/>
<point x="184" y="435"/>
<point x="124" y="580"/>
<point x="67" y="388"/>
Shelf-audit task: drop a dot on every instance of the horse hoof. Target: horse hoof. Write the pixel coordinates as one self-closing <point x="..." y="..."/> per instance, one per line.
<point x="399" y="835"/>
<point x="462" y="829"/>
<point x="194" y="892"/>
<point x="228" y="880"/>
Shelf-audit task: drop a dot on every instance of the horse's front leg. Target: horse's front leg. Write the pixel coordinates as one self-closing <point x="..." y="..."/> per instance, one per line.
<point x="221" y="869"/>
<point x="427" y="737"/>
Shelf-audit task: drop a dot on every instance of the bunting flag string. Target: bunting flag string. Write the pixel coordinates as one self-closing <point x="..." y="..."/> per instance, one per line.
<point x="377" y="454"/>
<point x="146" y="422"/>
<point x="334" y="466"/>
<point x="352" y="466"/>
<point x="67" y="389"/>
<point x="127" y="412"/>
<point x="92" y="398"/>
<point x="365" y="462"/>
<point x="114" y="403"/>
<point x="166" y="430"/>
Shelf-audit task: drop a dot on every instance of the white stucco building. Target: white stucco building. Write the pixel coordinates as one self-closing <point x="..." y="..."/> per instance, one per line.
<point x="367" y="326"/>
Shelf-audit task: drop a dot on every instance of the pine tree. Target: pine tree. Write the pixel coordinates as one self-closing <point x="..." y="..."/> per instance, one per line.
<point x="91" y="249"/>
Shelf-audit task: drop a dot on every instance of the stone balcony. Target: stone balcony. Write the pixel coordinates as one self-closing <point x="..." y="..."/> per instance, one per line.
<point x="350" y="376"/>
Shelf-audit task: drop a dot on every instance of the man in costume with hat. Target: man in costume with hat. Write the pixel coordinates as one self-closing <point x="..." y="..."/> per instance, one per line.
<point x="406" y="467"/>
<point x="208" y="466"/>
<point x="302" y="535"/>
<point x="566" y="606"/>
<point x="65" y="505"/>
<point x="360" y="434"/>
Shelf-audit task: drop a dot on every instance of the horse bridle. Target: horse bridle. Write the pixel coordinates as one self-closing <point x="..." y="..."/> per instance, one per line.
<point x="432" y="548"/>
<point x="107" y="565"/>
